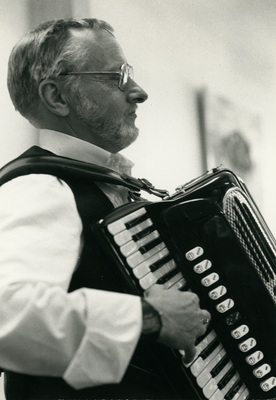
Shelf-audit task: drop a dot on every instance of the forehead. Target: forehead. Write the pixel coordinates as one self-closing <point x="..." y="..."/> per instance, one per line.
<point x="103" y="50"/>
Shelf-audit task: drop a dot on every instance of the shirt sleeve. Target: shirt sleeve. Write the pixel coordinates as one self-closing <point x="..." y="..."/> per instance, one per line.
<point x="87" y="336"/>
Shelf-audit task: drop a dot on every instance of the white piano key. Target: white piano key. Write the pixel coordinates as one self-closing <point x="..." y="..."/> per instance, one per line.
<point x="129" y="248"/>
<point x="132" y="246"/>
<point x="217" y="396"/>
<point x="201" y="346"/>
<point x="137" y="258"/>
<point x="205" y="375"/>
<point x="126" y="235"/>
<point x="208" y="339"/>
<point x="150" y="260"/>
<point x="230" y="384"/>
<point x="212" y="385"/>
<point x="242" y="393"/>
<point x="165" y="269"/>
<point x="210" y="389"/>
<point x="221" y="393"/>
<point x="143" y="269"/>
<point x="200" y="364"/>
<point x="119" y="225"/>
<point x="147" y="281"/>
<point x="173" y="281"/>
<point x="179" y="284"/>
<point x="122" y="237"/>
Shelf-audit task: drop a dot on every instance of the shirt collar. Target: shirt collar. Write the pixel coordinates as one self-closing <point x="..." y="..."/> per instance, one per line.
<point x="65" y="145"/>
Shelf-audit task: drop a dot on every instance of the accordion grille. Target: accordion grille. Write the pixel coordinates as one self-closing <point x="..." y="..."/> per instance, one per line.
<point x="253" y="237"/>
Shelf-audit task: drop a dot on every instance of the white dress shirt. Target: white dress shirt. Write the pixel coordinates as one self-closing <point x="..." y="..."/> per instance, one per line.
<point x="87" y="336"/>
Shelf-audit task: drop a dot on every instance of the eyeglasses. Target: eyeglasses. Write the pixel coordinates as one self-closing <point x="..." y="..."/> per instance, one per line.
<point x="125" y="73"/>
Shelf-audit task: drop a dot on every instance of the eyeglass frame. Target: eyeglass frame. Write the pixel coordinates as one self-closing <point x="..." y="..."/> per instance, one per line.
<point x="125" y="73"/>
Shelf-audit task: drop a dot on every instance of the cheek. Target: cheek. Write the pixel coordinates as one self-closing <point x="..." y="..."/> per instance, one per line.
<point x="109" y="99"/>
<point x="115" y="102"/>
<point x="115" y="109"/>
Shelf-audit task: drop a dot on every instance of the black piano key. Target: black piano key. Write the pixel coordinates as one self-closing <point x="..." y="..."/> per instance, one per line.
<point x="234" y="390"/>
<point x="144" y="249"/>
<point x="143" y="233"/>
<point x="136" y="221"/>
<point x="167" y="277"/>
<point x="220" y="365"/>
<point x="158" y="264"/>
<point x="209" y="349"/>
<point x="229" y="375"/>
<point x="201" y="338"/>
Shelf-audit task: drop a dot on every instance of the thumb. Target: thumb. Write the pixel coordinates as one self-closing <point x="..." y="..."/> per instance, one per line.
<point x="189" y="355"/>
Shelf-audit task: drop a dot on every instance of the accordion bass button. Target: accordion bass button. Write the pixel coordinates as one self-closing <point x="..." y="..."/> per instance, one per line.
<point x="210" y="279"/>
<point x="194" y="253"/>
<point x="247" y="345"/>
<point x="225" y="305"/>
<point x="202" y="266"/>
<point x="217" y="292"/>
<point x="233" y="318"/>
<point x="253" y="358"/>
<point x="262" y="370"/>
<point x="268" y="384"/>
<point x="240" y="332"/>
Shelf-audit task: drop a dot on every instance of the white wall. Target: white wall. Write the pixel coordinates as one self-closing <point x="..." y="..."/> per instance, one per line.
<point x="180" y="46"/>
<point x="16" y="133"/>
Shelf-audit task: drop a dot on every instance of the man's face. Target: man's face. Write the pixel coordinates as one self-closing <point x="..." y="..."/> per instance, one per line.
<point x="104" y="114"/>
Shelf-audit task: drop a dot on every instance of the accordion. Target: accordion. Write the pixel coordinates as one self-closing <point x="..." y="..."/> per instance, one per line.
<point x="210" y="238"/>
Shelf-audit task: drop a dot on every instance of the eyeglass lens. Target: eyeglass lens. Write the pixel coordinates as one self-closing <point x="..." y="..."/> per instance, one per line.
<point x="127" y="71"/>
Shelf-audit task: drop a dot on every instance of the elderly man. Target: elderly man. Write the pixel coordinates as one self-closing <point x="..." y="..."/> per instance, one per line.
<point x="63" y="332"/>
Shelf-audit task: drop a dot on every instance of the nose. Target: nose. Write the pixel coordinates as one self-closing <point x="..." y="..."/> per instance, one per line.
<point x="135" y="94"/>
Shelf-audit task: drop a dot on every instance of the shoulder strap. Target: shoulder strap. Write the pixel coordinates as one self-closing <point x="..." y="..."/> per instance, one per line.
<point x="64" y="167"/>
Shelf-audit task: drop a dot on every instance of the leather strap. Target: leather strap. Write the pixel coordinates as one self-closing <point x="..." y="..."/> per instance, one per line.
<point x="64" y="167"/>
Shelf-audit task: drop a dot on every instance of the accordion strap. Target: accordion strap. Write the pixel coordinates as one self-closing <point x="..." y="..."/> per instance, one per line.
<point x="64" y="167"/>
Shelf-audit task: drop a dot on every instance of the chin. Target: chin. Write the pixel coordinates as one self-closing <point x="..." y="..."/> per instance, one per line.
<point x="130" y="138"/>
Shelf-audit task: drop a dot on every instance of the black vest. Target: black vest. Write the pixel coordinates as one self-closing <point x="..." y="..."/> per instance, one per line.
<point x="144" y="378"/>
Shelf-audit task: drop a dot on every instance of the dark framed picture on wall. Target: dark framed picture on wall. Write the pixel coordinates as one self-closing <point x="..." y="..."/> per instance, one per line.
<point x="231" y="137"/>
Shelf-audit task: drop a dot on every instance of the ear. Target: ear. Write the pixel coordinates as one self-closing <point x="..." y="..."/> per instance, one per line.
<point x="52" y="98"/>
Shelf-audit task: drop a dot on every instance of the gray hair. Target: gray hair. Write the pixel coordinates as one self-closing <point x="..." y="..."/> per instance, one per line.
<point x="45" y="52"/>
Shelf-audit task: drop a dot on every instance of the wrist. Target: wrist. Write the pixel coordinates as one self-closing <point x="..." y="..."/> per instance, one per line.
<point x="152" y="322"/>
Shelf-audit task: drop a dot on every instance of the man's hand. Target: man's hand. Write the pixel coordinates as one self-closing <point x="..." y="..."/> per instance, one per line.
<point x="182" y="318"/>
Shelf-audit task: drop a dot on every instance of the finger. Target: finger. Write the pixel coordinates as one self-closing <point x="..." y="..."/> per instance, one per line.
<point x="189" y="355"/>
<point x="154" y="290"/>
<point x="205" y="317"/>
<point x="203" y="322"/>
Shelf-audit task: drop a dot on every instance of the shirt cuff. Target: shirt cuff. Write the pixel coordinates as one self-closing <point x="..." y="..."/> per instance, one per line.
<point x="114" y="323"/>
